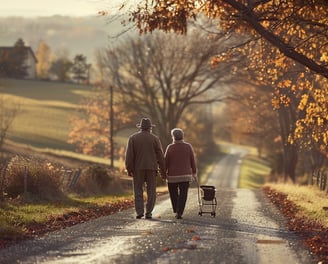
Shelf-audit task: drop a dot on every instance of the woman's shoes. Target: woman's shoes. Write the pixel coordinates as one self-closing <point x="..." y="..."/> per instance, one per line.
<point x="148" y="216"/>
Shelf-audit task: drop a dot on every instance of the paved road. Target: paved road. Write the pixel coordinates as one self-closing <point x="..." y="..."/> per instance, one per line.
<point x="246" y="229"/>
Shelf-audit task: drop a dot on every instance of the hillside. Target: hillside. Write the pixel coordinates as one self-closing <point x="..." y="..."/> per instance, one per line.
<point x="72" y="35"/>
<point x="45" y="109"/>
<point x="42" y="126"/>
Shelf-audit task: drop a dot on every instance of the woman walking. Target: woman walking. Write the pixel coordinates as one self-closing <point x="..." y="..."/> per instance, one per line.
<point x="181" y="169"/>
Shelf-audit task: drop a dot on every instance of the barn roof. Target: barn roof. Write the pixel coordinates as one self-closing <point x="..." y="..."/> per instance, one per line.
<point x="28" y="49"/>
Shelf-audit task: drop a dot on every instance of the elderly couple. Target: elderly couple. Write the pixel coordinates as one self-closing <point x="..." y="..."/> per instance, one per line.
<point x="144" y="155"/>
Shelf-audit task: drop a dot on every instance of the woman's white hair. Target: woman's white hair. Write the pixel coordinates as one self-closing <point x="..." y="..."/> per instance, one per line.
<point x="177" y="133"/>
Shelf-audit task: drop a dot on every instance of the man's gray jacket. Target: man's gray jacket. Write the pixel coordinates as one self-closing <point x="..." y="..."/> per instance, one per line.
<point x="144" y="152"/>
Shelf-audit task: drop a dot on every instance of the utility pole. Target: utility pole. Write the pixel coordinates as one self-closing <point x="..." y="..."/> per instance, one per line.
<point x="111" y="127"/>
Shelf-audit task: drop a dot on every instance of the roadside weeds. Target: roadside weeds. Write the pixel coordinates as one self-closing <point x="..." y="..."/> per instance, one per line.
<point x="314" y="233"/>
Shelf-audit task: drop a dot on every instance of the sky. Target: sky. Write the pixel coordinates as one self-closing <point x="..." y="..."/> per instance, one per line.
<point x="35" y="8"/>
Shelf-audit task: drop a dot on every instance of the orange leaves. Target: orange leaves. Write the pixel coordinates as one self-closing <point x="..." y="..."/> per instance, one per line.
<point x="285" y="84"/>
<point x="188" y="240"/>
<point x="324" y="57"/>
<point x="280" y="62"/>
<point x="195" y="238"/>
<point x="316" y="235"/>
<point x="303" y="102"/>
<point x="90" y="130"/>
<point x="301" y="29"/>
<point x="280" y="99"/>
<point x="71" y="218"/>
<point x="183" y="244"/>
<point x="311" y="130"/>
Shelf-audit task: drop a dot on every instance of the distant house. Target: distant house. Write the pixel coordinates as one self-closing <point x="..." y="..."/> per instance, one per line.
<point x="30" y="61"/>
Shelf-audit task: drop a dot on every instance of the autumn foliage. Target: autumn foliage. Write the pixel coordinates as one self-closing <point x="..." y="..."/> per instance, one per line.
<point x="285" y="48"/>
<point x="90" y="128"/>
<point x="314" y="234"/>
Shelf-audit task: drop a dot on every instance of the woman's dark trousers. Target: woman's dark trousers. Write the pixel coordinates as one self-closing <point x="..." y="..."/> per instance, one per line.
<point x="178" y="195"/>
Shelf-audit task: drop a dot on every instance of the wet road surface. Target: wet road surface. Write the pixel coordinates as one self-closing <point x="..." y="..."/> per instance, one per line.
<point x="246" y="229"/>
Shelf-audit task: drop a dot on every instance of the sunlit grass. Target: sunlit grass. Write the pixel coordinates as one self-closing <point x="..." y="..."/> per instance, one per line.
<point x="225" y="147"/>
<point x="309" y="199"/>
<point x="254" y="172"/>
<point x="14" y="212"/>
<point x="45" y="110"/>
<point x="43" y="90"/>
<point x="42" y="125"/>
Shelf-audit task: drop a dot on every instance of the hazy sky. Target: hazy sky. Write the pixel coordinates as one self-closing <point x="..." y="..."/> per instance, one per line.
<point x="33" y="8"/>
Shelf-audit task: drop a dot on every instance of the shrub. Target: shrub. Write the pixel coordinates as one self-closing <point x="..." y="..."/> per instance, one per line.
<point x="98" y="180"/>
<point x="37" y="177"/>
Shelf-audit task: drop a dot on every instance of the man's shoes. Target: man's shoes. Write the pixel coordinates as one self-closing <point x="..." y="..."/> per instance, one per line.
<point x="178" y="216"/>
<point x="148" y="216"/>
<point x="139" y="216"/>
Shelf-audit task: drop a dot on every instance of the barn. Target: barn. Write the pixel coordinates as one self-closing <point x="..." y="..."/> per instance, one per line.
<point x="30" y="61"/>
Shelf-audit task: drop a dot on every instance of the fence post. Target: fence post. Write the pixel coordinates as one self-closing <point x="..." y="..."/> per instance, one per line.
<point x="318" y="178"/>
<point x="3" y="176"/>
<point x="75" y="178"/>
<point x="25" y="179"/>
<point x="314" y="176"/>
<point x="321" y="181"/>
<point x="324" y="181"/>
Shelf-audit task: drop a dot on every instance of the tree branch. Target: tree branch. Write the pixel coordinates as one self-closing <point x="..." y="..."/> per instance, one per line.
<point x="251" y="19"/>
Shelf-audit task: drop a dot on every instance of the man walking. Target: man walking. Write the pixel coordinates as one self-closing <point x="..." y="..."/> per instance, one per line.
<point x="144" y="155"/>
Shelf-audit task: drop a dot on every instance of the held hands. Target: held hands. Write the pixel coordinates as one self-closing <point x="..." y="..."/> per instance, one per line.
<point x="194" y="178"/>
<point x="163" y="175"/>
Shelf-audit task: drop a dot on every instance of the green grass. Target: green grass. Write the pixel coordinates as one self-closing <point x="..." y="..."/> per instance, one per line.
<point x="42" y="125"/>
<point x="44" y="91"/>
<point x="254" y="172"/>
<point x="14" y="212"/>
<point x="45" y="109"/>
<point x="309" y="199"/>
<point x="225" y="147"/>
<point x="119" y="163"/>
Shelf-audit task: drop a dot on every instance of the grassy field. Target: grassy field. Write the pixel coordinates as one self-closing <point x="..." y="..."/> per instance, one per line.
<point x="45" y="109"/>
<point x="254" y="172"/>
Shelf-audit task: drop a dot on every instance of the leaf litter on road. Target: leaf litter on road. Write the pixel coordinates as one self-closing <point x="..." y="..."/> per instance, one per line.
<point x="315" y="234"/>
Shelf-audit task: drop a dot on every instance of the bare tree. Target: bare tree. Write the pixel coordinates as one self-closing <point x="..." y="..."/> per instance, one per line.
<point x="160" y="75"/>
